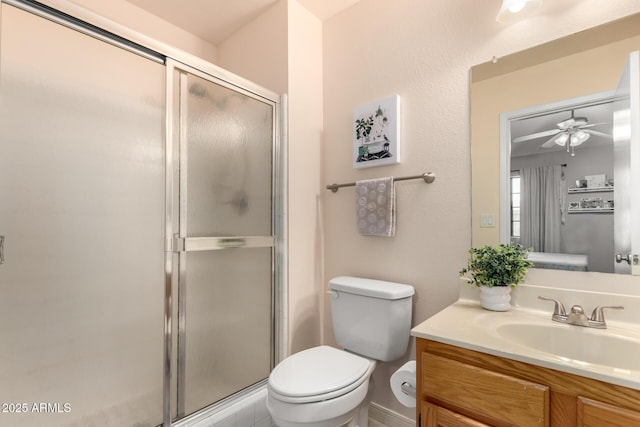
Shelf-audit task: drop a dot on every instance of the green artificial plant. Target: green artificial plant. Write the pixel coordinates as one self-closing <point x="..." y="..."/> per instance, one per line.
<point x="501" y="265"/>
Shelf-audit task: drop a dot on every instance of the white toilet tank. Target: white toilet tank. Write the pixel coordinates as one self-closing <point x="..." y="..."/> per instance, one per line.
<point x="371" y="317"/>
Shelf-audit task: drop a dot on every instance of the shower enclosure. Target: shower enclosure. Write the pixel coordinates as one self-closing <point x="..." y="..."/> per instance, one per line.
<point x="139" y="241"/>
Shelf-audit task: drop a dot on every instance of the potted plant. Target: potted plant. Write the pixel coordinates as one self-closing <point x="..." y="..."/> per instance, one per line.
<point x="496" y="269"/>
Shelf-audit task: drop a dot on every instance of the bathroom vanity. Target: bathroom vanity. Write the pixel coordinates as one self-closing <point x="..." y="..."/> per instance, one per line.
<point x="518" y="368"/>
<point x="461" y="387"/>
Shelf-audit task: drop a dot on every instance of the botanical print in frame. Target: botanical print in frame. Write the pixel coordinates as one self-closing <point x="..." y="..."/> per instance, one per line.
<point x="376" y="133"/>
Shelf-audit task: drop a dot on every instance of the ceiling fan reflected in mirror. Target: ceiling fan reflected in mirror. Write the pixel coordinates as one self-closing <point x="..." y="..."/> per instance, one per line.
<point x="570" y="133"/>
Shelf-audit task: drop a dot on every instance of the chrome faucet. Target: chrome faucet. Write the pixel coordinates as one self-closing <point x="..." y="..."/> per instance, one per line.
<point x="577" y="316"/>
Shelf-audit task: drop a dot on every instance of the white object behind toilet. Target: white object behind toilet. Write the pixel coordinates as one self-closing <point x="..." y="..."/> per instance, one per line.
<point x="405" y="375"/>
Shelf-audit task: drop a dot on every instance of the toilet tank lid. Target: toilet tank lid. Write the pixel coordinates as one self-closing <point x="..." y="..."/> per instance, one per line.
<point x="371" y="287"/>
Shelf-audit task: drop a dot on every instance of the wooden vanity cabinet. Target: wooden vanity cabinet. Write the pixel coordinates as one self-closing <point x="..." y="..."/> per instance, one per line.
<point x="457" y="387"/>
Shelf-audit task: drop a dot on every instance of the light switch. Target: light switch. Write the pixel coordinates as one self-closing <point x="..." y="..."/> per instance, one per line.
<point x="487" y="221"/>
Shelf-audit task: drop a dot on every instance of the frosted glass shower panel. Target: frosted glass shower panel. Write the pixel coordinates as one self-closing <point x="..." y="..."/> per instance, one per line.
<point x="228" y="323"/>
<point x="82" y="209"/>
<point x="225" y="324"/>
<point x="229" y="152"/>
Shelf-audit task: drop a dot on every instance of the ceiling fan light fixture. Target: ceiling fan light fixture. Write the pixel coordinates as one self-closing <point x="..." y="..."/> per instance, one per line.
<point x="561" y="139"/>
<point x="578" y="137"/>
<point x="513" y="10"/>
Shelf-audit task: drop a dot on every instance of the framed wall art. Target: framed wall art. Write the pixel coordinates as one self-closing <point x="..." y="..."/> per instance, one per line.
<point x="376" y="133"/>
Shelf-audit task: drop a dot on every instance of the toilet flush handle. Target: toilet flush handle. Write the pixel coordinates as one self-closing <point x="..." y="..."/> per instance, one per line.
<point x="334" y="294"/>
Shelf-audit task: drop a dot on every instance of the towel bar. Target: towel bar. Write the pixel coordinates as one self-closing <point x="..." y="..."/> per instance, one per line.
<point x="428" y="177"/>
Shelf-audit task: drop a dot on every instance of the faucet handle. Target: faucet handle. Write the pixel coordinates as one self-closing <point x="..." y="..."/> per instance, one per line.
<point x="598" y="312"/>
<point x="576" y="309"/>
<point x="558" y="309"/>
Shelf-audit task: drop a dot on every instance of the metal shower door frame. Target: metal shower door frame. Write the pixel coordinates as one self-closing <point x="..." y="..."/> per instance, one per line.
<point x="177" y="244"/>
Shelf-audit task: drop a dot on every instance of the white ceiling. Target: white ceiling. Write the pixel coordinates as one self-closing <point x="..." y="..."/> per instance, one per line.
<point x="215" y="20"/>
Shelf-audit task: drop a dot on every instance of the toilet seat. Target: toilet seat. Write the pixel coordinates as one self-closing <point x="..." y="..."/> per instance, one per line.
<point x="318" y="374"/>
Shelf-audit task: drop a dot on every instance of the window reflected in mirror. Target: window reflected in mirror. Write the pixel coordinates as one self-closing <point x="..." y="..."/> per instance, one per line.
<point x="515" y="206"/>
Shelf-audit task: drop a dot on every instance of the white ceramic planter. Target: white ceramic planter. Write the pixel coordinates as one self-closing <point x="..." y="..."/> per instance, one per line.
<point x="496" y="298"/>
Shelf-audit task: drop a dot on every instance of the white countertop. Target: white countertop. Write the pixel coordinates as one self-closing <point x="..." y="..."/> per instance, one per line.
<point x="465" y="324"/>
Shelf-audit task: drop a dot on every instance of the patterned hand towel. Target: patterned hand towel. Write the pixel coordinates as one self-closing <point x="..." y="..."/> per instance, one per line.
<point x="375" y="207"/>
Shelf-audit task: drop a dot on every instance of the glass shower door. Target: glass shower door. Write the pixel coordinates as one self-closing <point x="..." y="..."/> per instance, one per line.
<point x="226" y="273"/>
<point x="81" y="212"/>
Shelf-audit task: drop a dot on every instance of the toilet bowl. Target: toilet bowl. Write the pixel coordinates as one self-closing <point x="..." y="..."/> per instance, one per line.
<point x="319" y="387"/>
<point x="329" y="387"/>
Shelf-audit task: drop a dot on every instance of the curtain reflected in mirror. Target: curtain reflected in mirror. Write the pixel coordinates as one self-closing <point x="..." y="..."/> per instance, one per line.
<point x="542" y="207"/>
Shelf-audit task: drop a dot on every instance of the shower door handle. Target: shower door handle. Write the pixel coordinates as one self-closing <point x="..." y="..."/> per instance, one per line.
<point x="194" y="244"/>
<point x="1" y="249"/>
<point x="620" y="258"/>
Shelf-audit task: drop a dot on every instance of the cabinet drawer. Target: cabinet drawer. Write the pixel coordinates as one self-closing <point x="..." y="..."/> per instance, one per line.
<point x="435" y="416"/>
<point x="597" y="414"/>
<point x="501" y="398"/>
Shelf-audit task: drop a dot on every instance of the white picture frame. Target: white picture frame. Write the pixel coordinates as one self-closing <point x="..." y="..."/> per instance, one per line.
<point x="376" y="133"/>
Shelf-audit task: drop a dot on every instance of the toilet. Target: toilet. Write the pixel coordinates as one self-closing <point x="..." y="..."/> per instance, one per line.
<point x="327" y="387"/>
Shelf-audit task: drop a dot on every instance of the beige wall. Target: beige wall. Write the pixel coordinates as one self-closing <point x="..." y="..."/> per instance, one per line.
<point x="259" y="50"/>
<point x="305" y="153"/>
<point x="422" y="51"/>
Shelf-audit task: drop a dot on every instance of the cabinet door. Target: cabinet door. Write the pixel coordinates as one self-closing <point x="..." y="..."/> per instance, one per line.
<point x="592" y="413"/>
<point x="493" y="396"/>
<point x="436" y="416"/>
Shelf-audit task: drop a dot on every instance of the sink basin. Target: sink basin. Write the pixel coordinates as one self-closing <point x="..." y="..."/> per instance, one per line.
<point x="577" y="344"/>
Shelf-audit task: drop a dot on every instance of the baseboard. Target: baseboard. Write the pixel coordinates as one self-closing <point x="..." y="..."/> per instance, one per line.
<point x="388" y="417"/>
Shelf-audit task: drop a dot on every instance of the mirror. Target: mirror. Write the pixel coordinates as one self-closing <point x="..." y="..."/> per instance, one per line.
<point x="531" y="93"/>
<point x="561" y="172"/>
